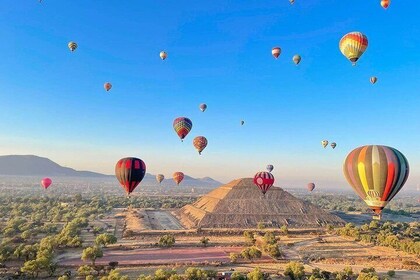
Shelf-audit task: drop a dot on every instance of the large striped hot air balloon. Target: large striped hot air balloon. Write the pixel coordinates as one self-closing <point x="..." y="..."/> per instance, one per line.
<point x="129" y="172"/>
<point x="276" y="51"/>
<point x="385" y="3"/>
<point x="264" y="181"/>
<point x="182" y="126"/>
<point x="353" y="45"/>
<point x="46" y="182"/>
<point x="178" y="177"/>
<point x="376" y="173"/>
<point x="310" y="186"/>
<point x="200" y="143"/>
<point x="107" y="86"/>
<point x="72" y="46"/>
<point x="160" y="178"/>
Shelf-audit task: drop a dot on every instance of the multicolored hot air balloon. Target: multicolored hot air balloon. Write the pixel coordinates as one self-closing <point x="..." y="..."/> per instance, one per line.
<point x="129" y="172"/>
<point x="373" y="80"/>
<point x="182" y="126"/>
<point x="163" y="55"/>
<point x="276" y="51"/>
<point x="178" y="177"/>
<point x="310" y="186"/>
<point x="333" y="145"/>
<point x="376" y="173"/>
<point x="203" y="107"/>
<point x="72" y="46"/>
<point x="107" y="86"/>
<point x="270" y="167"/>
<point x="296" y="59"/>
<point x="385" y="3"/>
<point x="200" y="143"/>
<point x="264" y="181"/>
<point x="242" y="122"/>
<point x="160" y="178"/>
<point x="324" y="143"/>
<point x="353" y="45"/>
<point x="46" y="182"/>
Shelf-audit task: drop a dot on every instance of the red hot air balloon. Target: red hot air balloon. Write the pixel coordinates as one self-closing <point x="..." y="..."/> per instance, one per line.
<point x="385" y="3"/>
<point x="129" y="172"/>
<point x="276" y="51"/>
<point x="178" y="177"/>
<point x="311" y="186"/>
<point x="46" y="182"/>
<point x="203" y="107"/>
<point x="264" y="181"/>
<point x="107" y="86"/>
<point x="200" y="143"/>
<point x="182" y="127"/>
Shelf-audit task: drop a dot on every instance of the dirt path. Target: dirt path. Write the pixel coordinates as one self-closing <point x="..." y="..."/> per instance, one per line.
<point x="163" y="220"/>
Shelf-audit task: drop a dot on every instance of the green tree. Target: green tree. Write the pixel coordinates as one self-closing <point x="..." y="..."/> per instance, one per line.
<point x="32" y="267"/>
<point x="249" y="237"/>
<point x="105" y="239"/>
<point x="162" y="274"/>
<point x="270" y="238"/>
<point x="284" y="229"/>
<point x="168" y="240"/>
<point x="295" y="270"/>
<point x="368" y="276"/>
<point x="204" y="241"/>
<point x="85" y="270"/>
<point x="261" y="225"/>
<point x="256" y="274"/>
<point x="115" y="275"/>
<point x="234" y="257"/>
<point x="273" y="251"/>
<point x="237" y="276"/>
<point x="251" y="253"/>
<point x="194" y="273"/>
<point x="92" y="253"/>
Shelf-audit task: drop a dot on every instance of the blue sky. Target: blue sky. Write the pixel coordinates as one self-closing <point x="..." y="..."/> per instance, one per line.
<point x="53" y="103"/>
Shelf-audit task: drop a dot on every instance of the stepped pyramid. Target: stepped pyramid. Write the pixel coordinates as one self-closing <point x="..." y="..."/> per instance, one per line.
<point x="240" y="204"/>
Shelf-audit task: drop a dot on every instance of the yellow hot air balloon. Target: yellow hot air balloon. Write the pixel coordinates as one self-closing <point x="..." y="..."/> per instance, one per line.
<point x="72" y="46"/>
<point x="353" y="45"/>
<point x="163" y="55"/>
<point x="324" y="143"/>
<point x="296" y="59"/>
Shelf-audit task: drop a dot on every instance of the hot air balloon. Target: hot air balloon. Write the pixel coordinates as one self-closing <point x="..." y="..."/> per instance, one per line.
<point x="270" y="167"/>
<point x="242" y="122"/>
<point x="376" y="173"/>
<point x="200" y="143"/>
<point x="373" y="80"/>
<point x="264" y="181"/>
<point x="129" y="172"/>
<point x="203" y="107"/>
<point x="182" y="127"/>
<point x="333" y="145"/>
<point x="311" y="186"/>
<point x="353" y="45"/>
<point x="324" y="143"/>
<point x="46" y="182"/>
<point x="160" y="178"/>
<point x="72" y="46"/>
<point x="292" y="2"/>
<point x="276" y="52"/>
<point x="107" y="86"/>
<point x="385" y="3"/>
<point x="296" y="59"/>
<point x="178" y="177"/>
<point x="163" y="55"/>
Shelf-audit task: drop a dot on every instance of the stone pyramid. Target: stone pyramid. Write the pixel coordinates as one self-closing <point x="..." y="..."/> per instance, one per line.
<point x="240" y="204"/>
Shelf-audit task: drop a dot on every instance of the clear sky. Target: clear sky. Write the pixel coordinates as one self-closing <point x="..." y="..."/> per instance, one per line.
<point x="53" y="103"/>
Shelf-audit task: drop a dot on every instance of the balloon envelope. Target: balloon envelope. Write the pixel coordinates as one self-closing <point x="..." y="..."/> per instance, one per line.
<point x="276" y="51"/>
<point x="311" y="186"/>
<point x="376" y="173"/>
<point x="264" y="181"/>
<point x="333" y="145"/>
<point x="160" y="178"/>
<point x="107" y="86"/>
<point x="72" y="46"/>
<point x="182" y="126"/>
<point x="242" y="122"/>
<point x="324" y="143"/>
<point x="129" y="172"/>
<point x="373" y="80"/>
<point x="203" y="107"/>
<point x="385" y="3"/>
<point x="200" y="143"/>
<point x="178" y="177"/>
<point x="163" y="55"/>
<point x="296" y="59"/>
<point x="353" y="45"/>
<point x="270" y="167"/>
<point x="46" y="182"/>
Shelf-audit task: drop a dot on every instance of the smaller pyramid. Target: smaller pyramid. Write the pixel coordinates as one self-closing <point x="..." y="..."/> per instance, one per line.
<point x="240" y="204"/>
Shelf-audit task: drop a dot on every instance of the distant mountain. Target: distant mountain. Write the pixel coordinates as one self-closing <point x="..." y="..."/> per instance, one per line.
<point x="30" y="165"/>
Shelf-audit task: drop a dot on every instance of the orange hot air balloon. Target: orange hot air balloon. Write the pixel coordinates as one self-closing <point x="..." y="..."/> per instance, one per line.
<point x="163" y="55"/>
<point x="200" y="143"/>
<point x="46" y="182"/>
<point x="353" y="45"/>
<point x="373" y="80"/>
<point x="385" y="3"/>
<point x="276" y="51"/>
<point x="107" y="86"/>
<point x="178" y="177"/>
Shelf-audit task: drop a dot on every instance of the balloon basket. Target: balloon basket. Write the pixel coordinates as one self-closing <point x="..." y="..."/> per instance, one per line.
<point x="376" y="217"/>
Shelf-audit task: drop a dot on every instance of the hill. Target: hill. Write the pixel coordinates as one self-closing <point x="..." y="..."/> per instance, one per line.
<point x="240" y="204"/>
